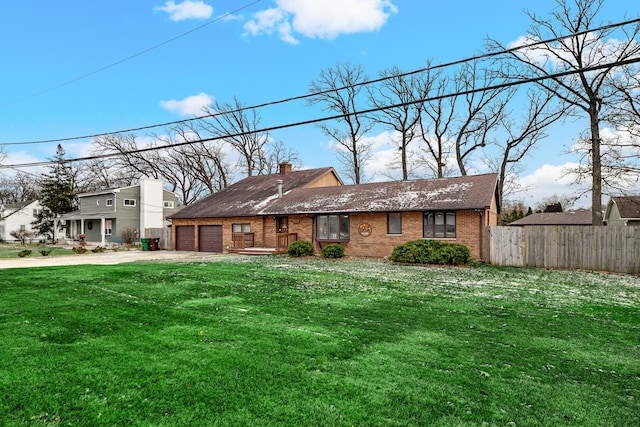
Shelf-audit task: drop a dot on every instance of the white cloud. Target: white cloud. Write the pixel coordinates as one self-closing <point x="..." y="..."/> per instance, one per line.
<point x="187" y="10"/>
<point x="320" y="19"/>
<point x="189" y="106"/>
<point x="554" y="180"/>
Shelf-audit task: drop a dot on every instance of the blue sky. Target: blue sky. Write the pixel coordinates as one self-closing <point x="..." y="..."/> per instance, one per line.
<point x="55" y="84"/>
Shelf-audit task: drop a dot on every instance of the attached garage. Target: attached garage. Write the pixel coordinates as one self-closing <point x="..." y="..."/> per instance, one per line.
<point x="185" y="238"/>
<point x="210" y="238"/>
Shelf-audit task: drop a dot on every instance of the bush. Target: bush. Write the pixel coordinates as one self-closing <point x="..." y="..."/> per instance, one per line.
<point x="334" y="250"/>
<point x="301" y="248"/>
<point x="431" y="252"/>
<point x="98" y="249"/>
<point x="24" y="253"/>
<point x="45" y="252"/>
<point x="129" y="236"/>
<point x="79" y="249"/>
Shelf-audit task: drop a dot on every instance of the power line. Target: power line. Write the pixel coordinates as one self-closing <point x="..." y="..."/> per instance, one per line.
<point x="338" y="116"/>
<point x="114" y="64"/>
<point x="358" y="84"/>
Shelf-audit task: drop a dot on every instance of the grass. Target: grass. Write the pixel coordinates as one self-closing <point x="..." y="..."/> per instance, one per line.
<point x="277" y="341"/>
<point x="12" y="250"/>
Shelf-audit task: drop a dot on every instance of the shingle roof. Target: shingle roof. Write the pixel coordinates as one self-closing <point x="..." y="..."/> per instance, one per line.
<point x="579" y="217"/>
<point x="628" y="207"/>
<point x="258" y="195"/>
<point x="248" y="196"/>
<point x="467" y="192"/>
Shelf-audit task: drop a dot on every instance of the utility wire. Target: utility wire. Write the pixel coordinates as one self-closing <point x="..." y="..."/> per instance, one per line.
<point x="128" y="58"/>
<point x="337" y="116"/>
<point x="358" y="84"/>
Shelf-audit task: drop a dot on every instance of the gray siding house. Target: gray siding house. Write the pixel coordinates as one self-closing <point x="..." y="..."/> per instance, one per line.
<point x="103" y="216"/>
<point x="623" y="211"/>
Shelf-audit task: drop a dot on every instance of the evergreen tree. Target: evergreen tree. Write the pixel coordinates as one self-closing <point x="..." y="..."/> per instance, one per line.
<point x="57" y="194"/>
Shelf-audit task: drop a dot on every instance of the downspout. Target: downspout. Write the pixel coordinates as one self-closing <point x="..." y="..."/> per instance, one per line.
<point x="480" y="233"/>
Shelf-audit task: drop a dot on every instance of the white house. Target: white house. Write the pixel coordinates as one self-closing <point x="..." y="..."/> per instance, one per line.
<point x="18" y="217"/>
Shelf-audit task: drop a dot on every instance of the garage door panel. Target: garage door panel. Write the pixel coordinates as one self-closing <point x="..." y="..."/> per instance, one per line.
<point x="210" y="238"/>
<point x="185" y="238"/>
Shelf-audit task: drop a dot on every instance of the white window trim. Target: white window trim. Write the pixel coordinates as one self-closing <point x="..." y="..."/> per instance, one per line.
<point x="124" y="202"/>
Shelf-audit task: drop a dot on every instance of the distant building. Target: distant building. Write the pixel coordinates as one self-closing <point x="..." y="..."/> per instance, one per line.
<point x="18" y="217"/>
<point x="578" y="217"/>
<point x="103" y="215"/>
<point x="623" y="211"/>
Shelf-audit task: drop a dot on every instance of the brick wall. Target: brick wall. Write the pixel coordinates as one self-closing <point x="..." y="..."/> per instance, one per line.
<point x="376" y="244"/>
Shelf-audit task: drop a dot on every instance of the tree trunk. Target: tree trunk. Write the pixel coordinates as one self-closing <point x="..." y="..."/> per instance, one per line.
<point x="596" y="175"/>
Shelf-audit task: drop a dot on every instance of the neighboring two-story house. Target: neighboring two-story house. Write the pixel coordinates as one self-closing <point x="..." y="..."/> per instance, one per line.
<point x="103" y="216"/>
<point x="18" y="217"/>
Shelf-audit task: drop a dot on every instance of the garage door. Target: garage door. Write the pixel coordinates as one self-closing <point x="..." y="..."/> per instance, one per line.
<point x="185" y="238"/>
<point x="210" y="238"/>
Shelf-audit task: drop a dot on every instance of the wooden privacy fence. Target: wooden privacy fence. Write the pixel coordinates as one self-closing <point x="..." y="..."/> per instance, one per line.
<point x="610" y="248"/>
<point x="164" y="234"/>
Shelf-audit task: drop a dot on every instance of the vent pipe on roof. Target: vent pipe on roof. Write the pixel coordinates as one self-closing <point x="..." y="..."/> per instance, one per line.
<point x="279" y="187"/>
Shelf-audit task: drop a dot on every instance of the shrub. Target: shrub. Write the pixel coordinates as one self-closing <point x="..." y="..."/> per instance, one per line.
<point x="129" y="236"/>
<point x="98" y="249"/>
<point x="45" y="252"/>
<point x="431" y="252"/>
<point x="79" y="249"/>
<point x="301" y="248"/>
<point x="24" y="253"/>
<point x="334" y="250"/>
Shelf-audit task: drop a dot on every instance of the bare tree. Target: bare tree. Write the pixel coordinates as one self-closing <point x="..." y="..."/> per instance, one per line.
<point x="238" y="126"/>
<point x="192" y="170"/>
<point x="436" y="124"/>
<point x="100" y="174"/>
<point x="337" y="89"/>
<point x="585" y="92"/>
<point x="478" y="113"/>
<point x="523" y="131"/>
<point x="19" y="188"/>
<point x="278" y="153"/>
<point x="621" y="151"/>
<point x="398" y="101"/>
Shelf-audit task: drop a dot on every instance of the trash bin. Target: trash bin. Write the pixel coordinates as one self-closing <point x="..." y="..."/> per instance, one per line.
<point x="145" y="243"/>
<point x="153" y="244"/>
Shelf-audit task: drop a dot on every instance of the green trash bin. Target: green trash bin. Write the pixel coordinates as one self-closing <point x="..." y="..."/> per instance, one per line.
<point x="145" y="243"/>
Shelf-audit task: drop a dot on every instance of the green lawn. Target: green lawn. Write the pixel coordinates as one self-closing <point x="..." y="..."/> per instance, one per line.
<point x="12" y="250"/>
<point x="276" y="341"/>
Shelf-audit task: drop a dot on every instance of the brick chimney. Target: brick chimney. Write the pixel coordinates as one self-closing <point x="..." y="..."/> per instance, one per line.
<point x="285" y="167"/>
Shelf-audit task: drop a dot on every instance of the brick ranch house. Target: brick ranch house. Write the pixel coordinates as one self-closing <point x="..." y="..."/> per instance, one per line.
<point x="369" y="220"/>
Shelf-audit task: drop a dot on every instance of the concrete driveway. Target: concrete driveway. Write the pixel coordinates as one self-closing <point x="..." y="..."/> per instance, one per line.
<point x="108" y="258"/>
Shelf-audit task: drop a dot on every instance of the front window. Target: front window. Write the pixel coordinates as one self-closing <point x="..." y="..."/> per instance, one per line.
<point x="332" y="227"/>
<point x="439" y="225"/>
<point x="109" y="202"/>
<point x="394" y="223"/>
<point x="129" y="202"/>
<point x="242" y="228"/>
